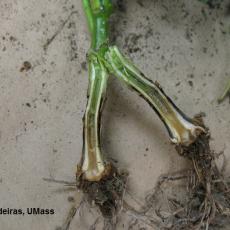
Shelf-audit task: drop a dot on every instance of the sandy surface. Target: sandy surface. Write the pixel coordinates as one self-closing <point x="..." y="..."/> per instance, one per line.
<point x="181" y="44"/>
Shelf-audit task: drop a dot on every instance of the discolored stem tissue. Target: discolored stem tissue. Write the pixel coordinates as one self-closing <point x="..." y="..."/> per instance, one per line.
<point x="182" y="129"/>
<point x="99" y="180"/>
<point x="92" y="165"/>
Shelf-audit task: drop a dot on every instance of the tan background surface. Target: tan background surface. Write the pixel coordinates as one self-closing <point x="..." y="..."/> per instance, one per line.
<point x="41" y="109"/>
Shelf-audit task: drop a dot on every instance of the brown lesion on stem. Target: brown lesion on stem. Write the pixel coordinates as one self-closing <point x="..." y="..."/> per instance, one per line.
<point x="92" y="166"/>
<point x="182" y="129"/>
<point x="100" y="181"/>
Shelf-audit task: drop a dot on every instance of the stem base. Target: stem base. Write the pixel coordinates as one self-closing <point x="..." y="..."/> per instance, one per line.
<point x="107" y="193"/>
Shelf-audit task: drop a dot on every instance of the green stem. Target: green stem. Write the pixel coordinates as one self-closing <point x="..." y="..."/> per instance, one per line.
<point x="182" y="130"/>
<point x="98" y="13"/>
<point x="89" y="15"/>
<point x="93" y="165"/>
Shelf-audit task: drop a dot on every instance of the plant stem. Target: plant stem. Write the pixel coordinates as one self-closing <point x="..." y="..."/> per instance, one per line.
<point x="98" y="13"/>
<point x="182" y="129"/>
<point x="93" y="165"/>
